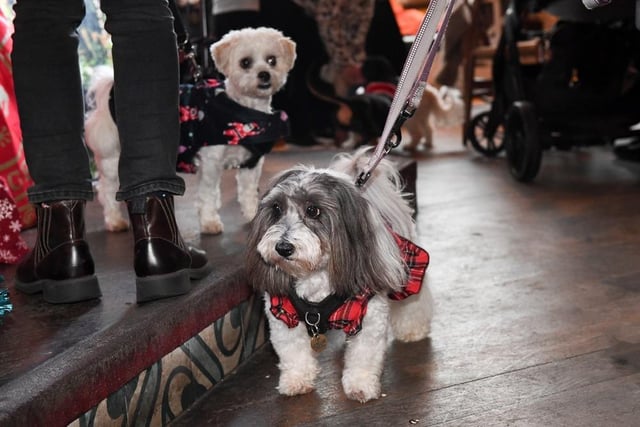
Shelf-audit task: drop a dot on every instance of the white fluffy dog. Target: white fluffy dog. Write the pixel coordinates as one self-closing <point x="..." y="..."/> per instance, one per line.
<point x="323" y="252"/>
<point x="255" y="63"/>
<point x="438" y="107"/>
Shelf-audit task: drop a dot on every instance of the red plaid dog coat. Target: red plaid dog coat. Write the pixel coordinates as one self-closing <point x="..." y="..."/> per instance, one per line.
<point x="349" y="314"/>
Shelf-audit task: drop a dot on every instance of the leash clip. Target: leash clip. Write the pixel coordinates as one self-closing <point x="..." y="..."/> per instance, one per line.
<point x="393" y="140"/>
<point x="395" y="137"/>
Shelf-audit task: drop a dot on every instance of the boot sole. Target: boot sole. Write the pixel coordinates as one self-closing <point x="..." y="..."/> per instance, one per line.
<point x="63" y="291"/>
<point x="160" y="286"/>
<point x="201" y="272"/>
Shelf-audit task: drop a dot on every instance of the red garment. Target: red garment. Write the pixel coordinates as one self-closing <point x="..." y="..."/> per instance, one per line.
<point x="381" y="88"/>
<point x="12" y="246"/>
<point x="13" y="166"/>
<point x="349" y="315"/>
<point x="417" y="260"/>
<point x="409" y="19"/>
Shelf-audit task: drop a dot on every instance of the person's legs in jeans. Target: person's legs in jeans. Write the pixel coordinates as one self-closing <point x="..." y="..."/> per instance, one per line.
<point x="146" y="79"/>
<point x="50" y="101"/>
<point x="51" y="105"/>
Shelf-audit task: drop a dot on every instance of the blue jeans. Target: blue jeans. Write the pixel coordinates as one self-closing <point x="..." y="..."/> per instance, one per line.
<point x="51" y="104"/>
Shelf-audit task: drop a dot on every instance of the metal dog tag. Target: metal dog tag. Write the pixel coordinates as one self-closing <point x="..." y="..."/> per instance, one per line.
<point x="318" y="343"/>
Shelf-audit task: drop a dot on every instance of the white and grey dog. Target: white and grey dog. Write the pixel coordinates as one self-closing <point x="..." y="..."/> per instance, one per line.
<point x="328" y="255"/>
<point x="255" y="63"/>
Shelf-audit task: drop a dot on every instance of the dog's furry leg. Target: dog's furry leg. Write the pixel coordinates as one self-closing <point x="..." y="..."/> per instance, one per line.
<point x="210" y="169"/>
<point x="415" y="136"/>
<point x="298" y="365"/>
<point x="248" y="196"/>
<point x="101" y="136"/>
<point x="365" y="353"/>
<point x="411" y="317"/>
<point x="108" y="185"/>
<point x="427" y="139"/>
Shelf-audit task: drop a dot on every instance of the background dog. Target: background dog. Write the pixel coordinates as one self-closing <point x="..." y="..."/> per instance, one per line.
<point x="442" y="107"/>
<point x="365" y="113"/>
<point x="255" y="63"/>
<point x="324" y="252"/>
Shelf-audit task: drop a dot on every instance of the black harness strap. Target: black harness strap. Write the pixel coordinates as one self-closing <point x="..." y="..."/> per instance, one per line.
<point x="316" y="314"/>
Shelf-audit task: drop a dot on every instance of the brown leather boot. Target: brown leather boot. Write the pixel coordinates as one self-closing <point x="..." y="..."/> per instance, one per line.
<point x="60" y="265"/>
<point x="163" y="263"/>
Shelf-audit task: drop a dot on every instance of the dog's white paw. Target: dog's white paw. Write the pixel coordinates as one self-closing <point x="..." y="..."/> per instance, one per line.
<point x="294" y="383"/>
<point x="361" y="385"/>
<point x="116" y="225"/>
<point x="212" y="226"/>
<point x="412" y="335"/>
<point x="114" y="220"/>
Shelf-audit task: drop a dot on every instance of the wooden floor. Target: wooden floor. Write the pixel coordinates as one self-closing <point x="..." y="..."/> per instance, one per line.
<point x="537" y="296"/>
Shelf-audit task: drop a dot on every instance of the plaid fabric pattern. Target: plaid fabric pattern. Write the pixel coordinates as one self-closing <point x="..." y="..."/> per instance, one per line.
<point x="417" y="260"/>
<point x="349" y="315"/>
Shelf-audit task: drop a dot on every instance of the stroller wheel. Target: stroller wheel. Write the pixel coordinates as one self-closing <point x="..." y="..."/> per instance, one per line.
<point x="522" y="143"/>
<point x="488" y="143"/>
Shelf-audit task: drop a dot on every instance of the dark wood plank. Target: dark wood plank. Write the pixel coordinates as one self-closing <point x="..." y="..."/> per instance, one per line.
<point x="537" y="294"/>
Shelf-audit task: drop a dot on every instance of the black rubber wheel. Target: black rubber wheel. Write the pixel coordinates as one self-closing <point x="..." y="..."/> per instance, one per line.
<point x="476" y="134"/>
<point x="522" y="142"/>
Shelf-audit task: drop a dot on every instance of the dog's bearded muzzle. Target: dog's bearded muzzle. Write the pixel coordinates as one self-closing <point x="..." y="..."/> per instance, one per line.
<point x="295" y="251"/>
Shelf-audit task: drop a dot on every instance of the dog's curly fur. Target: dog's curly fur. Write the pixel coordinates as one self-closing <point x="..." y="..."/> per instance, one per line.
<point x="337" y="241"/>
<point x="255" y="63"/>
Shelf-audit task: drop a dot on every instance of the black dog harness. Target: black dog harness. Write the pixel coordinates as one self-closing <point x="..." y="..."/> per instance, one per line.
<point x="347" y="313"/>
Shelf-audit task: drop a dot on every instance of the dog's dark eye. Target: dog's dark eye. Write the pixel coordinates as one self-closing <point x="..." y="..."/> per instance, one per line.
<point x="271" y="60"/>
<point x="245" y="63"/>
<point x="277" y="210"/>
<point x="313" y="212"/>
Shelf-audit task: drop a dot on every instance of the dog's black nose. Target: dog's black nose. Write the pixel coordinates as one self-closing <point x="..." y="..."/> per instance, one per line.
<point x="285" y="249"/>
<point x="264" y="76"/>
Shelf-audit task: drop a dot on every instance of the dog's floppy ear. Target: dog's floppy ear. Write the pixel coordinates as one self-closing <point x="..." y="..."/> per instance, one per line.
<point x="261" y="276"/>
<point x="220" y="54"/>
<point x="363" y="255"/>
<point x="289" y="47"/>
